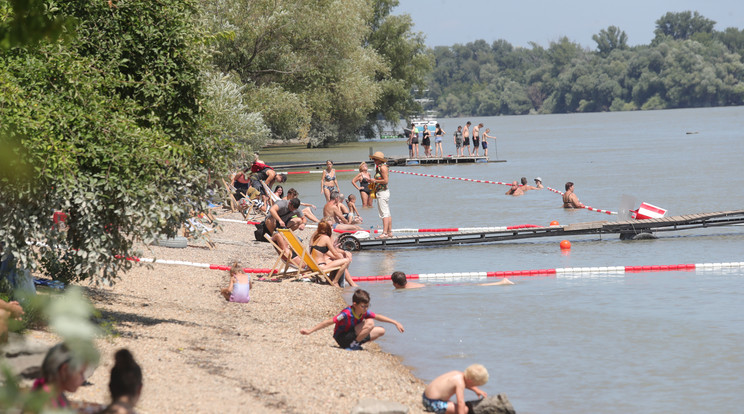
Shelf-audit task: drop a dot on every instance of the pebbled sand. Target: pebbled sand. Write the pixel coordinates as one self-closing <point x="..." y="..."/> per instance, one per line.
<point x="202" y="354"/>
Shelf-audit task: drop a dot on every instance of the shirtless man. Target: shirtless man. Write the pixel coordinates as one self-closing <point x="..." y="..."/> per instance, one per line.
<point x="570" y="200"/>
<point x="525" y="186"/>
<point x="333" y="210"/>
<point x="515" y="190"/>
<point x="476" y="138"/>
<point x="466" y="138"/>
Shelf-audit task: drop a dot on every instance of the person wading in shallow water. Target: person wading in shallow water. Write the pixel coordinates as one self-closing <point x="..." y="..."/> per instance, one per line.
<point x="570" y="200"/>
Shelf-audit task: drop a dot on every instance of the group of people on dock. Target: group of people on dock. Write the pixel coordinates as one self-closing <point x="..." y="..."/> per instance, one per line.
<point x="461" y="138"/>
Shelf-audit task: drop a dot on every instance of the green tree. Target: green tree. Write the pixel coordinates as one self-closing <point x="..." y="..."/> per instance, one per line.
<point x="404" y="54"/>
<point x="610" y="39"/>
<point x="106" y="128"/>
<point x="682" y="25"/>
<point x="311" y="53"/>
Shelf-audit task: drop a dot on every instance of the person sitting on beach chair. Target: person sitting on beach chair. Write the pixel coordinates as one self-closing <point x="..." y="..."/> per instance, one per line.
<point x="355" y="325"/>
<point x="284" y="215"/>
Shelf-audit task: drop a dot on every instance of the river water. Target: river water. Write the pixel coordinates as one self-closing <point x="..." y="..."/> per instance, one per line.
<point x="663" y="342"/>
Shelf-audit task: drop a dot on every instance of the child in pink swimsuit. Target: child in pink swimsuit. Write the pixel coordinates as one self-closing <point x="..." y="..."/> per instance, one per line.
<point x="240" y="286"/>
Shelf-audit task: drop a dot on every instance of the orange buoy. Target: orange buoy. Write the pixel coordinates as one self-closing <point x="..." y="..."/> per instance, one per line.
<point x="554" y="223"/>
<point x="565" y="245"/>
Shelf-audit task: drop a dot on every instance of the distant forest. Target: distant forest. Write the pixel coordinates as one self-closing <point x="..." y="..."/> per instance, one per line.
<point x="688" y="64"/>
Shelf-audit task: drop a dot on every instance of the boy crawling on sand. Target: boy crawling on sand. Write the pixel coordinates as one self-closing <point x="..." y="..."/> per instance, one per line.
<point x="355" y="325"/>
<point x="438" y="392"/>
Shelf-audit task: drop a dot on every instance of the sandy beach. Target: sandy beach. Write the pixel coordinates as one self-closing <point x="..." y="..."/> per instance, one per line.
<point x="202" y="354"/>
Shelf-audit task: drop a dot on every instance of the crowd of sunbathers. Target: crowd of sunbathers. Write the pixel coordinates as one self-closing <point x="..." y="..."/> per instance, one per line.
<point x="284" y="210"/>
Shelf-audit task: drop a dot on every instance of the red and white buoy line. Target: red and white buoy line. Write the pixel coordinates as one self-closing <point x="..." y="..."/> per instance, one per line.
<point x="586" y="207"/>
<point x="406" y="230"/>
<point x="451" y="178"/>
<point x="566" y="272"/>
<point x="491" y="182"/>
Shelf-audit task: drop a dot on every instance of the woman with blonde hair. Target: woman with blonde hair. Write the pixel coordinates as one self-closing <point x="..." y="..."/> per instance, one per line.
<point x="364" y="179"/>
<point x="328" y="182"/>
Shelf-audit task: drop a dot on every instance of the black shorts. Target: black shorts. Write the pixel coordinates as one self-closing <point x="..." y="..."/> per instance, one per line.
<point x="345" y="339"/>
<point x="475" y="142"/>
<point x="466" y="141"/>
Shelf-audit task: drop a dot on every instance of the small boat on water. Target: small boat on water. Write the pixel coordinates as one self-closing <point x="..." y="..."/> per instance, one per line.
<point x="421" y="123"/>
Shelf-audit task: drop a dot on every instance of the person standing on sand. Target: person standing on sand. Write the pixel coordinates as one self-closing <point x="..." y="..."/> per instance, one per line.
<point x="466" y="138"/>
<point x="570" y="200"/>
<point x="355" y="325"/>
<point x="380" y="180"/>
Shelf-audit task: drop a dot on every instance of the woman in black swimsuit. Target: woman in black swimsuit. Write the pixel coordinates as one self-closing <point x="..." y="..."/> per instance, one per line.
<point x="364" y="179"/>
<point x="426" y="142"/>
<point x="325" y="253"/>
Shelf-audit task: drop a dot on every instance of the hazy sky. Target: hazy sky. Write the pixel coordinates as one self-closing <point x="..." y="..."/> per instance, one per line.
<point x="446" y="22"/>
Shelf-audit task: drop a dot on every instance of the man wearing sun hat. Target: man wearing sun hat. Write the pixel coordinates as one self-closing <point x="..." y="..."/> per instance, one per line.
<point x="380" y="180"/>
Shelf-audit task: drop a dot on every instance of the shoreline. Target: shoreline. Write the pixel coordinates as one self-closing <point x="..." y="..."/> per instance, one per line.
<point x="203" y="354"/>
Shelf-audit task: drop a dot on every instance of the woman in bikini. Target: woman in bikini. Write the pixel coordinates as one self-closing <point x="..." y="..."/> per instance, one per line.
<point x="328" y="183"/>
<point x="364" y="179"/>
<point x="322" y="245"/>
<point x="438" y="134"/>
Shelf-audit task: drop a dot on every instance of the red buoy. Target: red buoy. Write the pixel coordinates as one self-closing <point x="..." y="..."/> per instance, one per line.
<point x="565" y="245"/>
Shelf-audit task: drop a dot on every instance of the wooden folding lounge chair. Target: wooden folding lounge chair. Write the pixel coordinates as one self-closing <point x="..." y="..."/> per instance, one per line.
<point x="194" y="228"/>
<point x="290" y="270"/>
<point x="306" y="257"/>
<point x="273" y="198"/>
<point x="233" y="202"/>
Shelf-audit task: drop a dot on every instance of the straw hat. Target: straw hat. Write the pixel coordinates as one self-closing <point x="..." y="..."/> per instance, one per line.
<point x="378" y="156"/>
